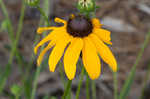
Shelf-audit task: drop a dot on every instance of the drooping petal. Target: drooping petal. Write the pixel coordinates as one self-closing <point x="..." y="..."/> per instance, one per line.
<point x="54" y="35"/>
<point x="96" y="23"/>
<point x="43" y="41"/>
<point x="104" y="52"/>
<point x="57" y="53"/>
<point x="103" y="34"/>
<point x="91" y="59"/>
<point x="40" y="30"/>
<point x="40" y="58"/>
<point x="58" y="20"/>
<point x="71" y="57"/>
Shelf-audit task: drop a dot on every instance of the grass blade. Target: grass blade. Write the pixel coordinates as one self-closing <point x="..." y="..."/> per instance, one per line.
<point x="147" y="77"/>
<point x="4" y="76"/>
<point x="127" y="86"/>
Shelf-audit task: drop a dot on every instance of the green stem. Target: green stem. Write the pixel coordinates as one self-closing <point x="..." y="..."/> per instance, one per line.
<point x="35" y="82"/>
<point x="80" y="82"/>
<point x="115" y="85"/>
<point x="29" y="67"/>
<point x="13" y="39"/>
<point x="87" y="87"/>
<point x="93" y="90"/>
<point x="10" y="28"/>
<point x="67" y="89"/>
<point x="43" y="14"/>
<point x="147" y="76"/>
<point x="61" y="72"/>
<point x="46" y="8"/>
<point x="69" y="94"/>
<point x="20" y="25"/>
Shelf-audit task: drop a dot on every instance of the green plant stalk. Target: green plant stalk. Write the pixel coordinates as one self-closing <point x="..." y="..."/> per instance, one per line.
<point x="20" y="25"/>
<point x="26" y="78"/>
<point x="80" y="82"/>
<point x="38" y="69"/>
<point x="61" y="72"/>
<point x="29" y="66"/>
<point x="3" y="77"/>
<point x="43" y="14"/>
<point x="127" y="86"/>
<point x="14" y="44"/>
<point x="10" y="28"/>
<point x="69" y="94"/>
<point x="35" y="82"/>
<point x="67" y="89"/>
<point x="9" y="25"/>
<point x="46" y="5"/>
<point x="93" y="90"/>
<point x="147" y="76"/>
<point x="87" y="87"/>
<point x="115" y="85"/>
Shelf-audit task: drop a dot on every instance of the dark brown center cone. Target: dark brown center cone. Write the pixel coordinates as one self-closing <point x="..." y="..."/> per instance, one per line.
<point x="79" y="26"/>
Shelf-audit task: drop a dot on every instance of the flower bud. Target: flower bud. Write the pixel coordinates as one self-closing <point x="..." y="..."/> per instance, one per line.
<point x="86" y="5"/>
<point x="33" y="3"/>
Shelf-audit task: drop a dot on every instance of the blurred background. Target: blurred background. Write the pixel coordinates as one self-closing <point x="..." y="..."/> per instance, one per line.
<point x="129" y="22"/>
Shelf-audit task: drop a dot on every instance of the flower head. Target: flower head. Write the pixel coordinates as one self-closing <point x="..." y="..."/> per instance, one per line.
<point x="81" y="34"/>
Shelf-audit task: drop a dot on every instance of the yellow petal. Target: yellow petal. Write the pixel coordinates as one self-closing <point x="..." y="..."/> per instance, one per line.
<point x="54" y="35"/>
<point x="96" y="23"/>
<point x="40" y="58"/>
<point x="43" y="41"/>
<point x="104" y="52"/>
<point x="42" y="29"/>
<point x="103" y="34"/>
<point x="57" y="53"/>
<point x="58" y="20"/>
<point x="90" y="59"/>
<point x="71" y="57"/>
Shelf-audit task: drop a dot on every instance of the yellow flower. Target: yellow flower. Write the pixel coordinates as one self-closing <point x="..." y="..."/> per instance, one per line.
<point x="79" y="34"/>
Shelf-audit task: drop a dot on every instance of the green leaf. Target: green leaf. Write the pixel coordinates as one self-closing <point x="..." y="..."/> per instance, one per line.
<point x="16" y="90"/>
<point x="4" y="25"/>
<point x="4" y="76"/>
